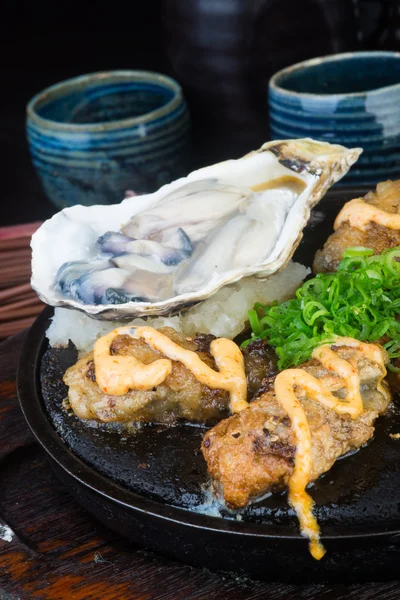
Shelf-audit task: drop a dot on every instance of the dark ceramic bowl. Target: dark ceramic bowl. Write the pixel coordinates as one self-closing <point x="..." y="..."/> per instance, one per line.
<point x="351" y="99"/>
<point x="94" y="137"/>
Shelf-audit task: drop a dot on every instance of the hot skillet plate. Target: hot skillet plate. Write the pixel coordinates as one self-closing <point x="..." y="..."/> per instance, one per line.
<point x="151" y="485"/>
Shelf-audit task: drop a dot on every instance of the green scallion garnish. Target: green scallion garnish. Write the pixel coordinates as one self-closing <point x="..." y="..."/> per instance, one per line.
<point x="361" y="300"/>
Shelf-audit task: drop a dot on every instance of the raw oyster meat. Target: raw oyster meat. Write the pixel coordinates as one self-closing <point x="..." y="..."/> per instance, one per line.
<point x="161" y="252"/>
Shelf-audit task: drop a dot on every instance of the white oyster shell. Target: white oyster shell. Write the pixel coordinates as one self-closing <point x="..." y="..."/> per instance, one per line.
<point x="195" y="235"/>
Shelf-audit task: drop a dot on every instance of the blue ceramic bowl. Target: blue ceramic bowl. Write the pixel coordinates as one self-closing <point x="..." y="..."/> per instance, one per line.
<point x="94" y="137"/>
<point x="351" y="99"/>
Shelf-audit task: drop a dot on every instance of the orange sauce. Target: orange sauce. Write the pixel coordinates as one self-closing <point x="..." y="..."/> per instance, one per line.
<point x="297" y="379"/>
<point x="359" y="214"/>
<point x="116" y="375"/>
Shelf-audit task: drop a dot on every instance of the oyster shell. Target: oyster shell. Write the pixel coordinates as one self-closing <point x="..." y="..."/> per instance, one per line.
<point x="157" y="253"/>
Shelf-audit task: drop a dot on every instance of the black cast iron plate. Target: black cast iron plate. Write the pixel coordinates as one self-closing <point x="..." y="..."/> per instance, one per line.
<point x="159" y="473"/>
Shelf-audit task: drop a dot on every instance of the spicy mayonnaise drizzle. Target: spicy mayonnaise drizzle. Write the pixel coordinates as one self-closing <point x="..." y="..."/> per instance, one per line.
<point x="360" y="214"/>
<point x="116" y="375"/>
<point x="285" y="384"/>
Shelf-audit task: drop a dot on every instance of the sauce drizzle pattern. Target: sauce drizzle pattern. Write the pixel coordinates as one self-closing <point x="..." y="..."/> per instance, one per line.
<point x="116" y="375"/>
<point x="285" y="384"/>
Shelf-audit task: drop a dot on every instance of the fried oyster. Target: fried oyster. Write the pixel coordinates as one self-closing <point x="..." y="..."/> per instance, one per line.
<point x="180" y="396"/>
<point x="374" y="235"/>
<point x="253" y="452"/>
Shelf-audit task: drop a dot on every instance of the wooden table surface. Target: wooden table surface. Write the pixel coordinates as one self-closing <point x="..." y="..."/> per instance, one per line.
<point x="51" y="549"/>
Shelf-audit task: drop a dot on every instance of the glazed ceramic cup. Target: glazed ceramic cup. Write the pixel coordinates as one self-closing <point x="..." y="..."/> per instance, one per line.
<point x="94" y="137"/>
<point x="351" y="99"/>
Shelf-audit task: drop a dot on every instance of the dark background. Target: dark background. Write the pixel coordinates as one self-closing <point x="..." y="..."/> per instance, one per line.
<point x="221" y="51"/>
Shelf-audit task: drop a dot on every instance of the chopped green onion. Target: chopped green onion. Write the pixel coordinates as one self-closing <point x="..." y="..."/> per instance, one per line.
<point x="351" y="264"/>
<point x="360" y="300"/>
<point x="254" y="322"/>
<point x="357" y="251"/>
